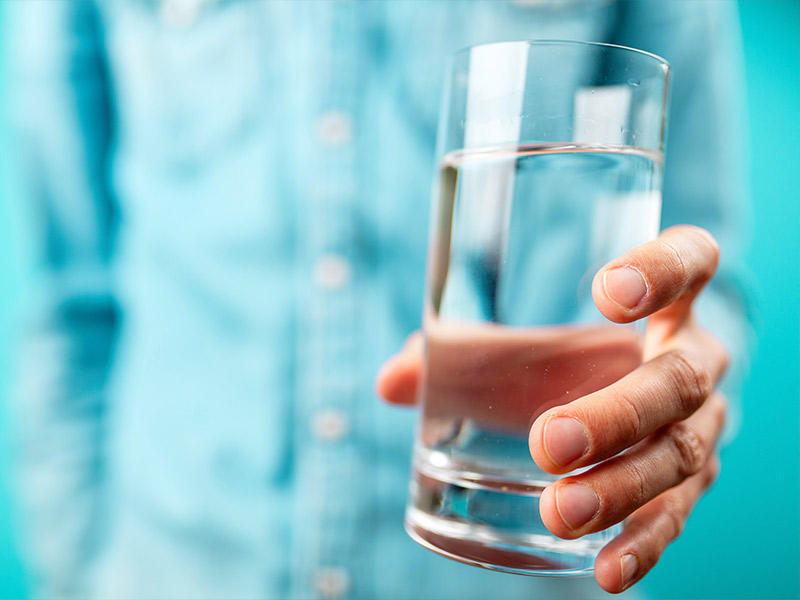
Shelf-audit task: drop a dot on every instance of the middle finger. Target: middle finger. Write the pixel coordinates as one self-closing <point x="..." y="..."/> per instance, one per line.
<point x="666" y="389"/>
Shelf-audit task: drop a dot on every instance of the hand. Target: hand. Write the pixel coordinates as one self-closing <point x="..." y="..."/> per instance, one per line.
<point x="665" y="415"/>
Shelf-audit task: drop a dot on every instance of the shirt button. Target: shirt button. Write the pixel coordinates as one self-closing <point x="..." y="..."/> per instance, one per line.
<point x="330" y="425"/>
<point x="335" y="128"/>
<point x="332" y="272"/>
<point x="332" y="582"/>
<point x="179" y="13"/>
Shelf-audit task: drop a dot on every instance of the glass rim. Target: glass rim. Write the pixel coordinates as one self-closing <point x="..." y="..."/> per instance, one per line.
<point x="556" y="42"/>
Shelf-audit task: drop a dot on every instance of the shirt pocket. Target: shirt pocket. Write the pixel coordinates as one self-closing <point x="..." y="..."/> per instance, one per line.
<point x="189" y="75"/>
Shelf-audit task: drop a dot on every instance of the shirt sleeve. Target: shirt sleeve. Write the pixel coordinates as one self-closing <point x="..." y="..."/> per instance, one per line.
<point x="706" y="180"/>
<point x="61" y="131"/>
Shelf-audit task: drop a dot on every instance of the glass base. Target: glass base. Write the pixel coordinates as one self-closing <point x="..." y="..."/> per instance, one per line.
<point x="495" y="526"/>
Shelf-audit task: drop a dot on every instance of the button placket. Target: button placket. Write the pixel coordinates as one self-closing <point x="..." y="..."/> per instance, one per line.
<point x="329" y="180"/>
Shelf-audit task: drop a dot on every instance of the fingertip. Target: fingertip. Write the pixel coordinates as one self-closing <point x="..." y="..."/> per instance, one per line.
<point x="396" y="381"/>
<point x="619" y="292"/>
<point x="548" y="511"/>
<point x="556" y="442"/>
<point x="616" y="571"/>
<point x="551" y="517"/>
<point x="383" y="387"/>
<point x="536" y="446"/>
<point x="707" y="237"/>
<point x="607" y="572"/>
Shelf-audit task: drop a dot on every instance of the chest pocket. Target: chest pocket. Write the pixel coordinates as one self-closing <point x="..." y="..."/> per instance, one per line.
<point x="189" y="74"/>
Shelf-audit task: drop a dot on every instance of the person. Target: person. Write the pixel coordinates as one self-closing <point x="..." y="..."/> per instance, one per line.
<point x="230" y="200"/>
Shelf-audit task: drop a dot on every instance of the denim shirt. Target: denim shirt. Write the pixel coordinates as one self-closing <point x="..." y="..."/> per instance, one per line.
<point x="231" y="199"/>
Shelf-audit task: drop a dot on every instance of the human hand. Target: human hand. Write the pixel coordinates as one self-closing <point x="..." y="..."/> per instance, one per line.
<point x="655" y="429"/>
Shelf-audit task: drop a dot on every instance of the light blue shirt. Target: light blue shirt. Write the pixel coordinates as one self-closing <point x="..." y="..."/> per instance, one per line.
<point x="231" y="199"/>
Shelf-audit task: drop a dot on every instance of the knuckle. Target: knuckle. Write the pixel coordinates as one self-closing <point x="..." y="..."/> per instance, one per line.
<point x="675" y="264"/>
<point x="630" y="423"/>
<point x="638" y="488"/>
<point x="697" y="244"/>
<point x="707" y="240"/>
<point x="725" y="358"/>
<point x="414" y="342"/>
<point x="674" y="514"/>
<point x="688" y="449"/>
<point x="709" y="474"/>
<point x="720" y="407"/>
<point x="692" y="382"/>
<point x="713" y="472"/>
<point x="717" y="350"/>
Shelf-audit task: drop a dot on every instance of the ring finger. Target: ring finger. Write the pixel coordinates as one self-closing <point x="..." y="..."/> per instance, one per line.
<point x="629" y="556"/>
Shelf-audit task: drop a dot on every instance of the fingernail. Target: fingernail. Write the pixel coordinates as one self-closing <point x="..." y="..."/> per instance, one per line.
<point x="625" y="286"/>
<point x="565" y="440"/>
<point x="576" y="504"/>
<point x="629" y="565"/>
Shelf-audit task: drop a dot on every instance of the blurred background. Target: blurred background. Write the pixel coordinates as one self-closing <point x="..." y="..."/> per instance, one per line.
<point x="743" y="541"/>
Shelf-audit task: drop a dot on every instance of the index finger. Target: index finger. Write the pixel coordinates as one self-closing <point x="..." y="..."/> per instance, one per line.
<point x="669" y="271"/>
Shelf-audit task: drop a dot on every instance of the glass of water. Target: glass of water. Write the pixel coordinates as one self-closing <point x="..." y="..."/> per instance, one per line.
<point x="550" y="157"/>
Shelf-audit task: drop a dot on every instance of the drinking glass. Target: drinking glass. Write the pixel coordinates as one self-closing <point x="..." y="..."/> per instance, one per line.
<point x="550" y="157"/>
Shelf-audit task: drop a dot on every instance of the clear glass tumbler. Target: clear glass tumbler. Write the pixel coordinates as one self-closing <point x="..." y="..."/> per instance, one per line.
<point x="550" y="156"/>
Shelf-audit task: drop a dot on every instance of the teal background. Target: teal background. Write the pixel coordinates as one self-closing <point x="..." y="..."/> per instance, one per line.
<point x="743" y="541"/>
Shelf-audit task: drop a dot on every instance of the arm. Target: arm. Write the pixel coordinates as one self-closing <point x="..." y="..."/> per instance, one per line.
<point x="62" y="120"/>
